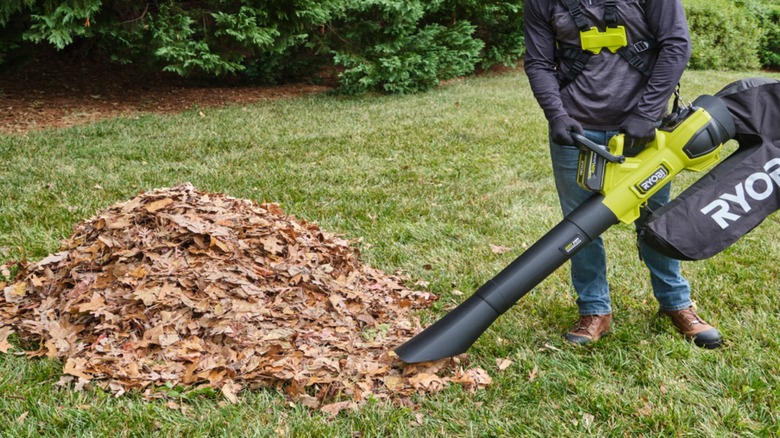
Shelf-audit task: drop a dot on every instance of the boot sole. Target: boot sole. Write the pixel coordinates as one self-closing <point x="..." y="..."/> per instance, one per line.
<point x="582" y="340"/>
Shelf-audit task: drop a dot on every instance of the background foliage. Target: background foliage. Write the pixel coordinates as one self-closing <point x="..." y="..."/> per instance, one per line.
<point x="768" y="16"/>
<point x="394" y="46"/>
<point x="725" y="35"/>
<point x="386" y="45"/>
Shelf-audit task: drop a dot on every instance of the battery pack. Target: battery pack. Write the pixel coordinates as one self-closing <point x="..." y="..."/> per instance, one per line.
<point x="591" y="169"/>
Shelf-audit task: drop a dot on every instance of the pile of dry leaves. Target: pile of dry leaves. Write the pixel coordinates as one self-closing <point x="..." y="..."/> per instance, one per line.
<point x="185" y="288"/>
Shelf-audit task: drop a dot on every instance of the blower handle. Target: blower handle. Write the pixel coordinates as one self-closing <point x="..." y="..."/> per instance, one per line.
<point x="600" y="150"/>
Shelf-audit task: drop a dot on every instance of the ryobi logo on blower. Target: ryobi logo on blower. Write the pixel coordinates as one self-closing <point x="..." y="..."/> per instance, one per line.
<point x="572" y="246"/>
<point x="758" y="187"/>
<point x="651" y="181"/>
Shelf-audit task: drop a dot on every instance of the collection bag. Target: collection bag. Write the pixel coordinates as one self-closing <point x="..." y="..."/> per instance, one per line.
<point x="737" y="194"/>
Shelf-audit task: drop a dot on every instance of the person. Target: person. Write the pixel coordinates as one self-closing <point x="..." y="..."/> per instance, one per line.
<point x="599" y="68"/>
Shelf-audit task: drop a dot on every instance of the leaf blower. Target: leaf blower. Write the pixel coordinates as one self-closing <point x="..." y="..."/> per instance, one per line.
<point x="689" y="138"/>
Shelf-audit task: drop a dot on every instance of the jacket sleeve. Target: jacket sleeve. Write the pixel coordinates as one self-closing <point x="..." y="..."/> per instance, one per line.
<point x="539" y="63"/>
<point x="666" y="20"/>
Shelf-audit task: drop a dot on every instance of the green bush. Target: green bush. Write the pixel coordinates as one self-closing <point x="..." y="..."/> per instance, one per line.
<point x="393" y="46"/>
<point x="216" y="38"/>
<point x="724" y="35"/>
<point x="499" y="25"/>
<point x="411" y="63"/>
<point x="396" y="46"/>
<point x="209" y="38"/>
<point x="768" y="17"/>
<point x="384" y="45"/>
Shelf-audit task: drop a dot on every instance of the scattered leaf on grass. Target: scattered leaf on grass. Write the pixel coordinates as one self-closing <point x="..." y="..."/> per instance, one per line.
<point x="4" y="344"/>
<point x="587" y="420"/>
<point x="334" y="409"/>
<point x="178" y="288"/>
<point x="20" y="419"/>
<point x="533" y="374"/>
<point x="499" y="249"/>
<point x="503" y="364"/>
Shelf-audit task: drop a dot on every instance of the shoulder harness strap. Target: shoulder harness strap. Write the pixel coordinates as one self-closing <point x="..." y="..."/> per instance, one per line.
<point x="576" y="12"/>
<point x="580" y="56"/>
<point x="631" y="54"/>
<point x="610" y="13"/>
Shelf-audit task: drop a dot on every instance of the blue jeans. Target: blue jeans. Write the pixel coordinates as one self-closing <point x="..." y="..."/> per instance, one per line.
<point x="589" y="265"/>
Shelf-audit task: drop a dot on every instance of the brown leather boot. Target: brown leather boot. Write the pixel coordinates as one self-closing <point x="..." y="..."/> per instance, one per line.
<point x="695" y="328"/>
<point x="589" y="329"/>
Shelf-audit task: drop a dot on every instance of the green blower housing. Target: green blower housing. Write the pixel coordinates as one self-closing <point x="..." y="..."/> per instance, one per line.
<point x="688" y="139"/>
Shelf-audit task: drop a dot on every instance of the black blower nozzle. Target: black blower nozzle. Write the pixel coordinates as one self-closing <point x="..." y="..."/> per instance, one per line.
<point x="459" y="329"/>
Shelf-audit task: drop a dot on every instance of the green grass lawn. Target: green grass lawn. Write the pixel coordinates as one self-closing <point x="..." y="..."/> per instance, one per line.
<point x="428" y="182"/>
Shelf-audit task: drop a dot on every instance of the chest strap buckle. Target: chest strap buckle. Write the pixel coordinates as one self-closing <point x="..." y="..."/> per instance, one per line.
<point x="612" y="39"/>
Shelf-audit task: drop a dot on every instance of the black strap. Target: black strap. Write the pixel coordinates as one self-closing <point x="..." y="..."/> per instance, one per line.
<point x="576" y="13"/>
<point x="610" y="13"/>
<point x="631" y="54"/>
<point x="676" y="104"/>
<point x="578" y="57"/>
